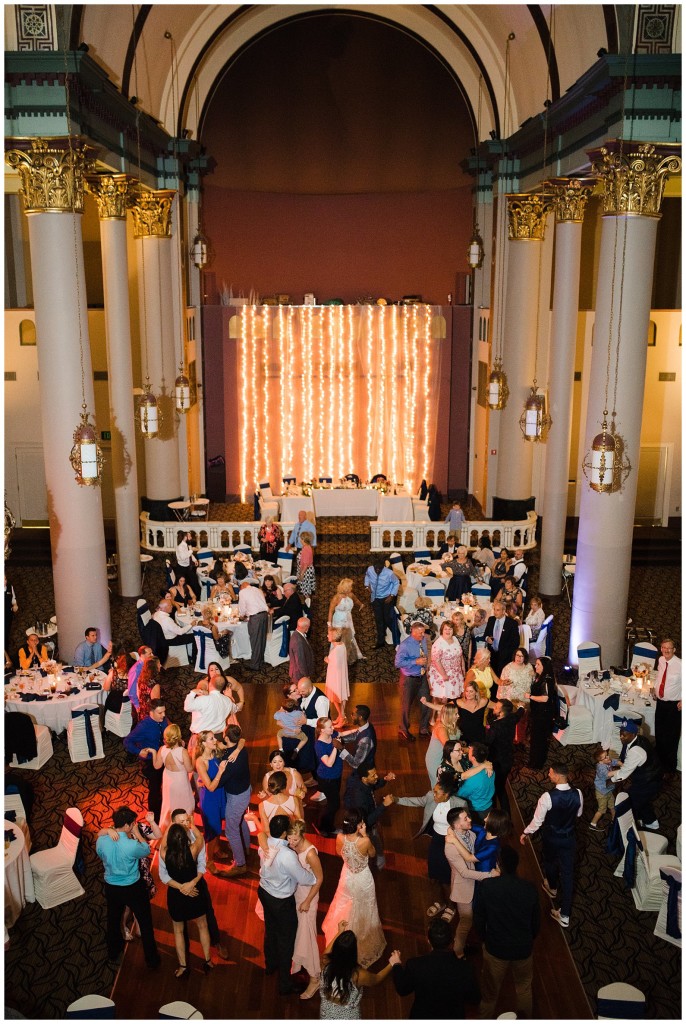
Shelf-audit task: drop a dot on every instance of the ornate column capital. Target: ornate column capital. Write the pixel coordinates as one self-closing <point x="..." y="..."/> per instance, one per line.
<point x="152" y="213"/>
<point x="570" y="196"/>
<point x="526" y="215"/>
<point x="634" y="175"/>
<point x="111" y="192"/>
<point x="52" y="173"/>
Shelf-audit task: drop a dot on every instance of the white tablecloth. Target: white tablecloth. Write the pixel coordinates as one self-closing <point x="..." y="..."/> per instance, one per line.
<point x="603" y="722"/>
<point x="415" y="579"/>
<point x="240" y="641"/>
<point x="18" y="878"/>
<point x="289" y="507"/>
<point x="395" y="508"/>
<point x="346" y="501"/>
<point x="55" y="712"/>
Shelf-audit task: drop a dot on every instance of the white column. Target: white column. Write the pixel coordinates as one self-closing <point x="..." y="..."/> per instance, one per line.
<point x="152" y="230"/>
<point x="570" y="202"/>
<point x="527" y="215"/>
<point x="633" y="190"/>
<point x="77" y="534"/>
<point x="111" y="194"/>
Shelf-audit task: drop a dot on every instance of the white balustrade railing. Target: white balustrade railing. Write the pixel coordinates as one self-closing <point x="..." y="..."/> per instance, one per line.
<point x="218" y="536"/>
<point x="410" y="536"/>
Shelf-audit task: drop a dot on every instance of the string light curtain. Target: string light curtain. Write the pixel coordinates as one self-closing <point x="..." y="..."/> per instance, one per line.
<point x="324" y="391"/>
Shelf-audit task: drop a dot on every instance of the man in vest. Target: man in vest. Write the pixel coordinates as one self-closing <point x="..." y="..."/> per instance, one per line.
<point x="556" y="815"/>
<point x="640" y="764"/>
<point x="314" y="705"/>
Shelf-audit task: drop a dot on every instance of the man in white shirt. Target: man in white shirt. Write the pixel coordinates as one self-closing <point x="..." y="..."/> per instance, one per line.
<point x="175" y="635"/>
<point x="556" y="814"/>
<point x="209" y="708"/>
<point x="641" y="765"/>
<point x="253" y="607"/>
<point x="280" y="875"/>
<point x="518" y="567"/>
<point x="668" y="705"/>
<point x="187" y="562"/>
<point x="303" y="525"/>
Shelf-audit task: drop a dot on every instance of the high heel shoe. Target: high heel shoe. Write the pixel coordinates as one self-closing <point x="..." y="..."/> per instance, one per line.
<point x="310" y="990"/>
<point x="181" y="971"/>
<point x="208" y="966"/>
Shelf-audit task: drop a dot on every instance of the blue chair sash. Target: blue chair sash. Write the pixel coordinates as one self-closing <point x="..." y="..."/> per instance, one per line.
<point x="621" y="1009"/>
<point x="288" y="479"/>
<point x="674" y="888"/>
<point x="283" y="626"/>
<point x="97" y="1013"/>
<point x="200" y="638"/>
<point x="588" y="653"/>
<point x="256" y="506"/>
<point x="87" y="714"/>
<point x="614" y="845"/>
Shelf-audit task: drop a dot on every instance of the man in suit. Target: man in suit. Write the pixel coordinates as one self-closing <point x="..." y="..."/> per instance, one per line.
<point x="300" y="653"/>
<point x="359" y="796"/>
<point x="502" y="637"/>
<point x="500" y="737"/>
<point x="441" y="983"/>
<point x="292" y="606"/>
<point x="507" y="916"/>
<point x="362" y="738"/>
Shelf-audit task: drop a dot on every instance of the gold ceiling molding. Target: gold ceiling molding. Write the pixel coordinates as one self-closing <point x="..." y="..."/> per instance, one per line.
<point x="52" y="173"/>
<point x="112" y="194"/>
<point x="526" y="215"/>
<point x="570" y="196"/>
<point x="152" y="213"/>
<point x="634" y="175"/>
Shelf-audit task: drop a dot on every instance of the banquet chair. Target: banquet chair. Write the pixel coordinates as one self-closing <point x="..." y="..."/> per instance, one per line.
<point x="325" y="480"/>
<point x="178" y="1010"/>
<point x="524" y="635"/>
<point x="610" y="739"/>
<point x="269" y="506"/>
<point x="379" y="478"/>
<point x="396" y="560"/>
<point x="84" y="738"/>
<point x="44" y="749"/>
<point x="668" y="924"/>
<point x="542" y="646"/>
<point x="13" y="802"/>
<point x="143" y="615"/>
<point x="407" y="602"/>
<point x="588" y="654"/>
<point x="276" y="650"/>
<point x="420" y="510"/>
<point x="92" y="1007"/>
<point x="287" y="480"/>
<point x="205" y="566"/>
<point x="644" y="654"/>
<point x="169" y="574"/>
<point x="178" y="655"/>
<point x="579" y="724"/>
<point x="53" y="870"/>
<point x="508" y="1015"/>
<point x="243" y="549"/>
<point x="120" y="723"/>
<point x="568" y="571"/>
<point x="434" y="591"/>
<point x="285" y="560"/>
<point x="620" y="1001"/>
<point x="206" y="651"/>
<point x="422" y="555"/>
<point x="353" y="478"/>
<point x="650" y="857"/>
<point x="482" y="594"/>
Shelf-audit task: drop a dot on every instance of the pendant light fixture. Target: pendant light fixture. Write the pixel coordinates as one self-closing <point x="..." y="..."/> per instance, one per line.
<point x="86" y="457"/>
<point x="498" y="391"/>
<point x="475" y="252"/>
<point x="182" y="392"/>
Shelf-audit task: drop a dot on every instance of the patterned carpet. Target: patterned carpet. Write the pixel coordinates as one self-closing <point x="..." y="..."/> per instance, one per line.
<point x="56" y="955"/>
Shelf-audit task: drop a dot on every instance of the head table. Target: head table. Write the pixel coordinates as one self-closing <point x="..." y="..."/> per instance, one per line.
<point x="54" y="708"/>
<point x="348" y="501"/>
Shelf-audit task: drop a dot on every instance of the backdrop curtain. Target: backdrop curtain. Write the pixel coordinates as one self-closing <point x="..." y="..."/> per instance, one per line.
<point x="323" y="391"/>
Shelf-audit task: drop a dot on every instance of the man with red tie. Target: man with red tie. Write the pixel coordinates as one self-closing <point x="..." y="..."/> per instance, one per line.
<point x="668" y="706"/>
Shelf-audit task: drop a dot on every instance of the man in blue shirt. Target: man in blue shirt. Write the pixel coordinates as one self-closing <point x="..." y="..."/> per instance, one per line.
<point x="144" y="741"/>
<point x="412" y="658"/>
<point x="478" y="789"/>
<point x="383" y="585"/>
<point x="90" y="653"/>
<point x="124" y="886"/>
<point x="303" y="525"/>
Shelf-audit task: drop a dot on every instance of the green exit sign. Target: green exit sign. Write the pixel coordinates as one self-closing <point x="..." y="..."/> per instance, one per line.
<point x="105" y="435"/>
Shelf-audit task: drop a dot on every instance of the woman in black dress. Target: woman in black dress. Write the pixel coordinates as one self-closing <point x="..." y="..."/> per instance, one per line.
<point x="499" y="572"/>
<point x="542" y="709"/>
<point x="186" y="901"/>
<point x="472" y="709"/>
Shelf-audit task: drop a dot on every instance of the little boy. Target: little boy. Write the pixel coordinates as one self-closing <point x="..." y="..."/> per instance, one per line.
<point x="604" y="789"/>
<point x="290" y="718"/>
<point x="456" y="517"/>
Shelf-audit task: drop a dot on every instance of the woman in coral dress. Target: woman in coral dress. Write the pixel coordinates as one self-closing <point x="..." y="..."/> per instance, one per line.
<point x="306" y="950"/>
<point x="446" y="672"/>
<point x="337" y="687"/>
<point x="176" y="786"/>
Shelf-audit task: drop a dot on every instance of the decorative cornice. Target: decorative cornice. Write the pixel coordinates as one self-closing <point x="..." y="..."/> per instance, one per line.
<point x="52" y="173"/>
<point x="152" y="213"/>
<point x="526" y="215"/>
<point x="111" y="193"/>
<point x="634" y="175"/>
<point x="570" y="196"/>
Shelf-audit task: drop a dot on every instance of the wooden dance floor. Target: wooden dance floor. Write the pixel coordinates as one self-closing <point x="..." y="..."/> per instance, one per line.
<point x="239" y="988"/>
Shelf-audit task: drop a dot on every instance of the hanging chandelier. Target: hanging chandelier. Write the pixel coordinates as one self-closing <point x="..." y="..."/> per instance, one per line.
<point x="149" y="414"/>
<point x="200" y="251"/>
<point x="535" y="421"/>
<point x="498" y="391"/>
<point x="182" y="392"/>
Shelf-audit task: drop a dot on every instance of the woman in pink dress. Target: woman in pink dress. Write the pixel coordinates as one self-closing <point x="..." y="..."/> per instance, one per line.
<point x="337" y="686"/>
<point x="306" y="950"/>
<point x="176" y="786"/>
<point x="446" y="672"/>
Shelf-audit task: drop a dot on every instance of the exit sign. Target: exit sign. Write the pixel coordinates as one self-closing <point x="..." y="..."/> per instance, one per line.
<point x="105" y="435"/>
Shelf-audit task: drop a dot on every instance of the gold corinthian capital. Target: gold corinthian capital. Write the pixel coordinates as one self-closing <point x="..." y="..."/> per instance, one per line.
<point x="111" y="193"/>
<point x="52" y="173"/>
<point x="634" y="175"/>
<point x="570" y="196"/>
<point x="526" y="215"/>
<point x="152" y="213"/>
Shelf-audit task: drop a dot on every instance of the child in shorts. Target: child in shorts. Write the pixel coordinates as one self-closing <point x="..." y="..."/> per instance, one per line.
<point x="604" y="789"/>
<point x="290" y="718"/>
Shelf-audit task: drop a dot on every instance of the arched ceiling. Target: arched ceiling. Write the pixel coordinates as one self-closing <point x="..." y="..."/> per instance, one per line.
<point x="469" y="39"/>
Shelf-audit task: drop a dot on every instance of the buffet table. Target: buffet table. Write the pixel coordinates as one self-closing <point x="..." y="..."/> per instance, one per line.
<point x="52" y="709"/>
<point x="18" y="878"/>
<point x="592" y="695"/>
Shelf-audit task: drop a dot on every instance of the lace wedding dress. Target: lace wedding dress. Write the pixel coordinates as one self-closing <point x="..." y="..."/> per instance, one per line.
<point x="355" y="902"/>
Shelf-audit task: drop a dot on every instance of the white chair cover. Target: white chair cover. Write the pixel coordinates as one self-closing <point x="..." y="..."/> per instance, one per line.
<point x="206" y="651"/>
<point x="588" y="654"/>
<point x="539" y="646"/>
<point x="669" y="930"/>
<point x="434" y="590"/>
<point x="422" y="554"/>
<point x="44" y="750"/>
<point x="143" y="611"/>
<point x="266" y="489"/>
<point x="525" y="636"/>
<point x="482" y="594"/>
<point x="285" y="560"/>
<point x="276" y="650"/>
<point x="91" y="1007"/>
<point x="120" y="724"/>
<point x="53" y="876"/>
<point x="84" y="723"/>
<point x="620" y="1001"/>
<point x="178" y="1010"/>
<point x="653" y="843"/>
<point x="644" y="654"/>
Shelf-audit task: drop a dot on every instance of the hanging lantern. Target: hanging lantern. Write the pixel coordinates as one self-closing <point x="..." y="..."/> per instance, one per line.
<point x="149" y="417"/>
<point x="200" y="251"/>
<point x="534" y="421"/>
<point x="606" y="466"/>
<point x="182" y="392"/>
<point x="498" y="391"/>
<point x="85" y="456"/>
<point x="475" y="252"/>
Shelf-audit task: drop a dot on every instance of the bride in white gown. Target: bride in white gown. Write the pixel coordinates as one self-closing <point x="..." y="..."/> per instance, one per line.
<point x="355" y="898"/>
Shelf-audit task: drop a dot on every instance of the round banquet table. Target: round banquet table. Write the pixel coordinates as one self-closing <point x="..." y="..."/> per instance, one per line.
<point x="415" y="578"/>
<point x="240" y="640"/>
<point x="594" y="696"/>
<point x="56" y="711"/>
<point x="18" y="878"/>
